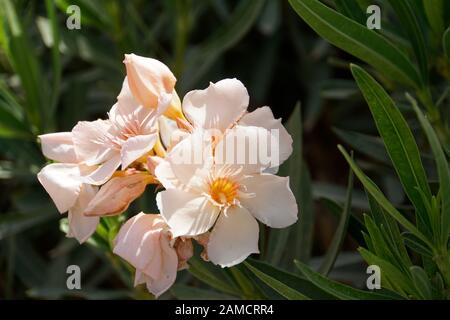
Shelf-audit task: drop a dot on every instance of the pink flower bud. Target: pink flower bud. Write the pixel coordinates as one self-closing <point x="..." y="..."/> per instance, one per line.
<point x="151" y="82"/>
<point x="117" y="194"/>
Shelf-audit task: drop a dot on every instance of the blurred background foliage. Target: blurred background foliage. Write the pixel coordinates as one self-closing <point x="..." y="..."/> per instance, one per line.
<point x="51" y="77"/>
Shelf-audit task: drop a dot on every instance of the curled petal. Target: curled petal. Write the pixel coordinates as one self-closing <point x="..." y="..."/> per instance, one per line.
<point x="273" y="202"/>
<point x="233" y="238"/>
<point x="81" y="227"/>
<point x="58" y="147"/>
<point x="117" y="194"/>
<point x="62" y="182"/>
<point x="217" y="107"/>
<point x="136" y="147"/>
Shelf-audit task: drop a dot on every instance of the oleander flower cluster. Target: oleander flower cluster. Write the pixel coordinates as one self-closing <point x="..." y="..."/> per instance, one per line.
<point x="214" y="163"/>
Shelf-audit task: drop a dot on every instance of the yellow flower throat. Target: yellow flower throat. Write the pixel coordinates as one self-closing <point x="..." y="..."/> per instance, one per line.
<point x="223" y="190"/>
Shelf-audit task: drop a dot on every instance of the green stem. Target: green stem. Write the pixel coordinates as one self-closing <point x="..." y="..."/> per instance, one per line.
<point x="434" y="115"/>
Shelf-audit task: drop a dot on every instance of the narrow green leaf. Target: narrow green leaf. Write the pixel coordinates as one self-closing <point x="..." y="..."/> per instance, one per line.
<point x="339" y="290"/>
<point x="277" y="285"/>
<point x="391" y="276"/>
<point x="381" y="199"/>
<point x="248" y="289"/>
<point x="212" y="276"/>
<point x="416" y="244"/>
<point x="434" y="10"/>
<point x="390" y="231"/>
<point x="380" y="246"/>
<point x="296" y="282"/>
<point x="443" y="172"/>
<point x="351" y="9"/>
<point x="357" y="40"/>
<point x="341" y="231"/>
<point x="410" y="23"/>
<point x="24" y="61"/>
<point x="399" y="142"/>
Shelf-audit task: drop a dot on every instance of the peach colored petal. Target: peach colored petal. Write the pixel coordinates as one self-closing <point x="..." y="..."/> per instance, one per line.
<point x="58" y="147"/>
<point x="233" y="238"/>
<point x="151" y="82"/>
<point x="62" y="182"/>
<point x="91" y="142"/>
<point x="187" y="214"/>
<point x="136" y="147"/>
<point x="217" y="107"/>
<point x="116" y="195"/>
<point x="81" y="227"/>
<point x="103" y="171"/>
<point x="243" y="147"/>
<point x="273" y="202"/>
<point x="263" y="117"/>
<point x="144" y="242"/>
<point x="183" y="163"/>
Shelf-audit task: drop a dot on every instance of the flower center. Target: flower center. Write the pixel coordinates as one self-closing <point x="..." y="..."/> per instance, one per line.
<point x="223" y="190"/>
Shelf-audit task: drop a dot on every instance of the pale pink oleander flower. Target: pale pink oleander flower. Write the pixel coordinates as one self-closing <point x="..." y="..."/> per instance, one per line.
<point x="151" y="81"/>
<point x="64" y="183"/>
<point x="128" y="134"/>
<point x="146" y="243"/>
<point x="116" y="195"/>
<point x="224" y="104"/>
<point x="226" y="198"/>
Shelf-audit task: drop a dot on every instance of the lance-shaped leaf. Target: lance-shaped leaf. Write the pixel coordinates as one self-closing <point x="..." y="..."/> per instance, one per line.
<point x="282" y="288"/>
<point x="342" y="291"/>
<point x="399" y="142"/>
<point x="375" y="192"/>
<point x="294" y="281"/>
<point x="410" y="24"/>
<point x="442" y="168"/>
<point x="357" y="40"/>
